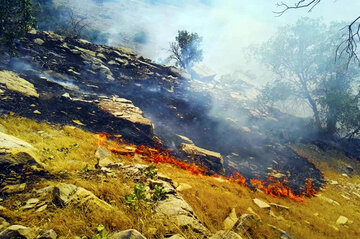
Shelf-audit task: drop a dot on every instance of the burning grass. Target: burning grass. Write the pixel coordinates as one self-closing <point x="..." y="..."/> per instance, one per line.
<point x="272" y="186"/>
<point x="212" y="198"/>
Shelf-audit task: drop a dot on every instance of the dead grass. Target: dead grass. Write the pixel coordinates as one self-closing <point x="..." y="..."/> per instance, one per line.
<point x="211" y="199"/>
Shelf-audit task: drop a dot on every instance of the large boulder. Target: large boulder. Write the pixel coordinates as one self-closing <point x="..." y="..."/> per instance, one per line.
<point x="177" y="211"/>
<point x="63" y="195"/>
<point x="126" y="110"/>
<point x="13" y="82"/>
<point x="19" y="157"/>
<point x="213" y="161"/>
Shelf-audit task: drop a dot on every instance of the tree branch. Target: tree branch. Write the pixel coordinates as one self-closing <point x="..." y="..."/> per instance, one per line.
<point x="299" y="4"/>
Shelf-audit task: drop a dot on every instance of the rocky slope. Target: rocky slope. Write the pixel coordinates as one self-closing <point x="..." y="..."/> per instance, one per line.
<point x="114" y="90"/>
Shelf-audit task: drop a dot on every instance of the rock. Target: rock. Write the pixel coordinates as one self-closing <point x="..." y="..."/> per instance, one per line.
<point x="213" y="161"/>
<point x="128" y="234"/>
<point x="185" y="139"/>
<point x="342" y="220"/>
<point x="230" y="221"/>
<point x="47" y="234"/>
<point x="31" y="203"/>
<point x="169" y="188"/>
<point x="124" y="109"/>
<point x="183" y="187"/>
<point x="10" y="143"/>
<point x="3" y="223"/>
<point x="261" y="204"/>
<point x="64" y="194"/>
<point x="176" y="236"/>
<point x="202" y="72"/>
<point x="180" y="73"/>
<point x="15" y="83"/>
<point x="245" y="224"/>
<point x="39" y="41"/>
<point x="278" y="206"/>
<point x="17" y="231"/>
<point x="283" y="234"/>
<point x="225" y="235"/>
<point x="9" y="189"/>
<point x="179" y="212"/>
<point x="103" y="156"/>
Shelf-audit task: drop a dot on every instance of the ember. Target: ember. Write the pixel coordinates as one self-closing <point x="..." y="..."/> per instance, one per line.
<point x="273" y="187"/>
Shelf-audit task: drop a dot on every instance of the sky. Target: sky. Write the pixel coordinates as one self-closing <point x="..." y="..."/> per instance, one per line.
<point x="228" y="27"/>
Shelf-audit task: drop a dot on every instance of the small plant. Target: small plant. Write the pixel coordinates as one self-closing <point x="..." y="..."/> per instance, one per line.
<point x="47" y="151"/>
<point x="66" y="150"/>
<point x="158" y="193"/>
<point x="137" y="198"/>
<point x="150" y="171"/>
<point x="101" y="233"/>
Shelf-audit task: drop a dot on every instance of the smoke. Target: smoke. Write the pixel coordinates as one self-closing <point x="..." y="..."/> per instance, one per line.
<point x="227" y="27"/>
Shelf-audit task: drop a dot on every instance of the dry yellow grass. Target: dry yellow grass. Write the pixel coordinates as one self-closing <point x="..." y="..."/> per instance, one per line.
<point x="211" y="199"/>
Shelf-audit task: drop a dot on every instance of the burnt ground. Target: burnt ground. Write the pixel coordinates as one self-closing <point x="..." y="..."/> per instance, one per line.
<point x="86" y="72"/>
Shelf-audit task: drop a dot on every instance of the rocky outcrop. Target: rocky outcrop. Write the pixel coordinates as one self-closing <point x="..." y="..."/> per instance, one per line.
<point x="18" y="231"/>
<point x="11" y="81"/>
<point x="124" y="109"/>
<point x="18" y="157"/>
<point x="63" y="195"/>
<point x="213" y="161"/>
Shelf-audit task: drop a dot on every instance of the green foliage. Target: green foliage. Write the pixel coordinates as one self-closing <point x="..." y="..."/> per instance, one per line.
<point x="150" y="171"/>
<point x="302" y="56"/>
<point x="15" y="21"/>
<point x="186" y="49"/>
<point x="140" y="198"/>
<point x="101" y="233"/>
<point x="158" y="193"/>
<point x="137" y="198"/>
<point x="66" y="150"/>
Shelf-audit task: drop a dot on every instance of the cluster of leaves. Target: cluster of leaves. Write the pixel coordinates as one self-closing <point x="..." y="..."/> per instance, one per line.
<point x="186" y="51"/>
<point x="15" y="21"/>
<point x="302" y="57"/>
<point x="101" y="233"/>
<point x="140" y="197"/>
<point x="65" y="150"/>
<point x="150" y="172"/>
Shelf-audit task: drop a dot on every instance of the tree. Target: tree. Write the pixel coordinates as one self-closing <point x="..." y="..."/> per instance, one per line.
<point x="186" y="49"/>
<point x="15" y="20"/>
<point x="300" y="56"/>
<point x="352" y="37"/>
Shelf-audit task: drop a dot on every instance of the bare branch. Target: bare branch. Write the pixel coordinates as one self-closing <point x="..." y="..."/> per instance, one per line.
<point x="299" y="4"/>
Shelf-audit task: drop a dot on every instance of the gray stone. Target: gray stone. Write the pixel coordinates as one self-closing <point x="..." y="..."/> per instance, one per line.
<point x="17" y="188"/>
<point x="230" y="221"/>
<point x="261" y="204"/>
<point x="183" y="187"/>
<point x="213" y="161"/>
<point x="128" y="234"/>
<point x="47" y="234"/>
<point x="342" y="220"/>
<point x="17" y="231"/>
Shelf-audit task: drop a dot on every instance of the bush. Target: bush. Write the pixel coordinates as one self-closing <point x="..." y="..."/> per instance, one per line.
<point x="15" y="20"/>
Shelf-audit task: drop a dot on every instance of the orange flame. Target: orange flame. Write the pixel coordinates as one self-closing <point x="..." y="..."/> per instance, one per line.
<point x="272" y="187"/>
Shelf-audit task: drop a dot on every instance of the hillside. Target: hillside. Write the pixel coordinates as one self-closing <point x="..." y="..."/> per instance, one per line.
<point x="100" y="142"/>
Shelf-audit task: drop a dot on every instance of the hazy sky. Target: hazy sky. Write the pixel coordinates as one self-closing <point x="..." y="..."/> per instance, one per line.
<point x="227" y="26"/>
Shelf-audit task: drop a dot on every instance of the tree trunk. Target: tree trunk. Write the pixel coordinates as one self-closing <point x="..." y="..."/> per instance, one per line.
<point x="312" y="104"/>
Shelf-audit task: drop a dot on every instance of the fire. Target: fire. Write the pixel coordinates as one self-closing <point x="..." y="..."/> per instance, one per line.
<point x="271" y="186"/>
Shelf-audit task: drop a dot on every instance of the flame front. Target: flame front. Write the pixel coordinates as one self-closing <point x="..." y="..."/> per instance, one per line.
<point x="271" y="186"/>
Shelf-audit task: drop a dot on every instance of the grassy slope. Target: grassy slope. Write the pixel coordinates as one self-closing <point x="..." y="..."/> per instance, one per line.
<point x="211" y="199"/>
